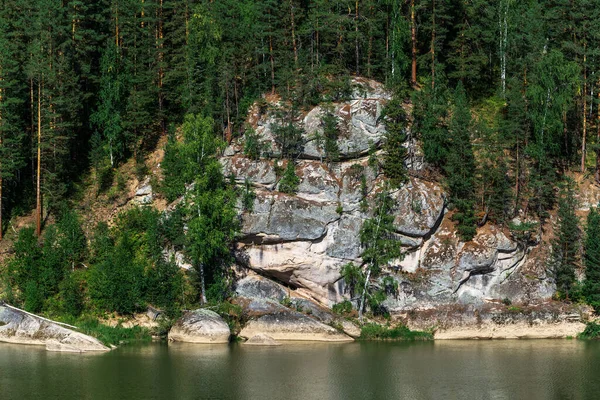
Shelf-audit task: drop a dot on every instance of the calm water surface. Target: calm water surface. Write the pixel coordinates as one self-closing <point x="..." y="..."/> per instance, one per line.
<point x="536" y="369"/>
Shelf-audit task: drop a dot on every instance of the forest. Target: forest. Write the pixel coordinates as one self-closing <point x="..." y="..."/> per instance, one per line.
<point x="504" y="95"/>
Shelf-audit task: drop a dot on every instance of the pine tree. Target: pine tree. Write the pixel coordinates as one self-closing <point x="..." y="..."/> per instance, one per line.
<point x="429" y="114"/>
<point x="113" y="141"/>
<point x="395" y="152"/>
<point x="379" y="242"/>
<point x="460" y="167"/>
<point x="591" y="284"/>
<point x="565" y="245"/>
<point x="11" y="102"/>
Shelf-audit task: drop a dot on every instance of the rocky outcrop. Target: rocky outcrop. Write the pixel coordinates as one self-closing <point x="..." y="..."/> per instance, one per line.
<point x="200" y="326"/>
<point x="301" y="319"/>
<point x="547" y="320"/>
<point x="17" y="326"/>
<point x="303" y="240"/>
<point x="261" y="288"/>
<point x="288" y="325"/>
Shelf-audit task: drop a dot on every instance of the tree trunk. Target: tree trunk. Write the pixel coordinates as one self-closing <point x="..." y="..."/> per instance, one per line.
<point x="1" y="202"/>
<point x="272" y="64"/>
<point x="598" y="137"/>
<point x="294" y="34"/>
<point x="413" y="33"/>
<point x="38" y="209"/>
<point x="202" y="285"/>
<point x="356" y="53"/>
<point x="584" y="132"/>
<point x="433" y="45"/>
<point x="1" y="180"/>
<point x="362" y="297"/>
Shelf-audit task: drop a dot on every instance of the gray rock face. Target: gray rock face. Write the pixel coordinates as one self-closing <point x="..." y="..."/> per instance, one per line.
<point x="20" y="327"/>
<point x="200" y="326"/>
<point x="420" y="207"/>
<point x="144" y="194"/>
<point x="288" y="325"/>
<point x="260" y="288"/>
<point x="278" y="217"/>
<point x="304" y="240"/>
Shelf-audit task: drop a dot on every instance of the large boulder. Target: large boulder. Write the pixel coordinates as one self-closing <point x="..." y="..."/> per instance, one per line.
<point x="261" y="288"/>
<point x="288" y="325"/>
<point x="17" y="326"/>
<point x="200" y="326"/>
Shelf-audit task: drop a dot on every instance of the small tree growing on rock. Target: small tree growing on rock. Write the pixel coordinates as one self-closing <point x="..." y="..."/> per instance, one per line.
<point x="379" y="241"/>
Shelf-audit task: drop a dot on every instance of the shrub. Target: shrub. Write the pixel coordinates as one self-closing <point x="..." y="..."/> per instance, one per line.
<point x="342" y="308"/>
<point x="248" y="196"/>
<point x="253" y="147"/>
<point x="372" y="331"/>
<point x="592" y="331"/>
<point x="290" y="181"/>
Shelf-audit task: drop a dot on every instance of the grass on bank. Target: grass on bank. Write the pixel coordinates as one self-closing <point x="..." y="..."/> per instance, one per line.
<point x="372" y="331"/>
<point x="108" y="335"/>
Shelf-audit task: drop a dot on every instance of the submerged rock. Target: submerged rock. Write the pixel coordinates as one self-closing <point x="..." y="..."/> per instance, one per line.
<point x="17" y="326"/>
<point x="262" y="340"/>
<point x="200" y="326"/>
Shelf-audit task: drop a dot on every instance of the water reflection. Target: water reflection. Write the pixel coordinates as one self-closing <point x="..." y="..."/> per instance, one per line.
<point x="533" y="369"/>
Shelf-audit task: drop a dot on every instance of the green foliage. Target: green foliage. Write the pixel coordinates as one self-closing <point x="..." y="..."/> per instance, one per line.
<point x="395" y="152"/>
<point x="42" y="269"/>
<point x="565" y="245"/>
<point x="354" y="279"/>
<point x="116" y="283"/>
<point x="329" y="122"/>
<point x="248" y="196"/>
<point x="253" y="146"/>
<point x="72" y="293"/>
<point x="109" y="335"/>
<point x="373" y="331"/>
<point x="129" y="268"/>
<point x="213" y="224"/>
<point x="342" y="308"/>
<point x="289" y="181"/>
<point x="460" y="165"/>
<point x="113" y="141"/>
<point x="377" y="235"/>
<point x="186" y="160"/>
<point x="429" y="113"/>
<point x="288" y="136"/>
<point x="591" y="332"/>
<point x="364" y="204"/>
<point x="591" y="247"/>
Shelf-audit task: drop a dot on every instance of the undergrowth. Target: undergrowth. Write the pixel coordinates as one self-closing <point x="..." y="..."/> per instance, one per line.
<point x="108" y="335"/>
<point x="373" y="331"/>
<point x="592" y="331"/>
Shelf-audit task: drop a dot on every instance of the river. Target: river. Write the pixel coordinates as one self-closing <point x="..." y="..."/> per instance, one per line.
<point x="503" y="369"/>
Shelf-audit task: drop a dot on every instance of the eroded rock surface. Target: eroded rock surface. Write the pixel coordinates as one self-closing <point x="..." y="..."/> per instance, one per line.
<point x="262" y="340"/>
<point x="22" y="328"/>
<point x="288" y="325"/>
<point x="303" y="240"/>
<point x="200" y="326"/>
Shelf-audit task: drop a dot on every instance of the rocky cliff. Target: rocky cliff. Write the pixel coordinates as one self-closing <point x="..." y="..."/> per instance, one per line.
<point x="303" y="240"/>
